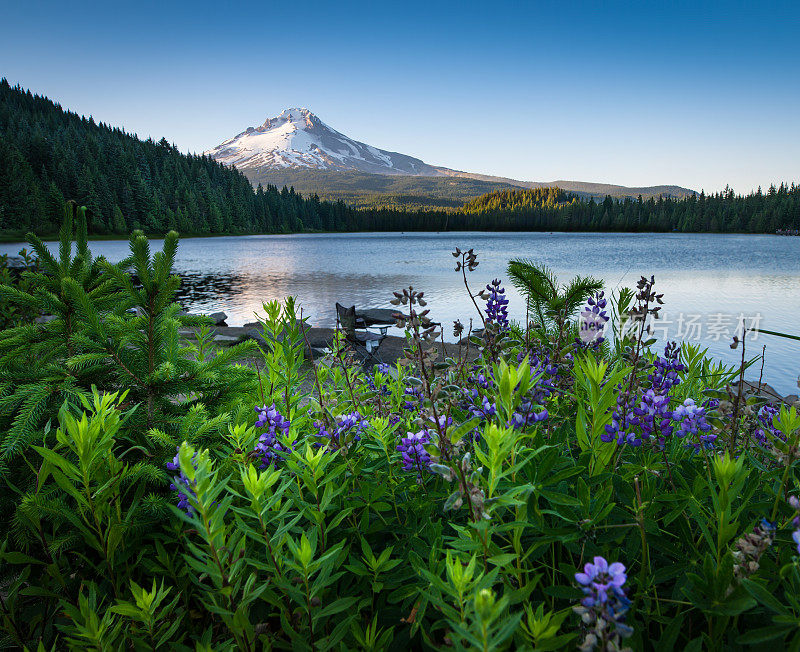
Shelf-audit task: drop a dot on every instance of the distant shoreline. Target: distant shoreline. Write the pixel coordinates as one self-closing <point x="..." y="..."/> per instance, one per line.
<point x="6" y="238"/>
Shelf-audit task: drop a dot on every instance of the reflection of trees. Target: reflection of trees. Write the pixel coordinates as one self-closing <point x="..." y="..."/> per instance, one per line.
<point x="240" y="294"/>
<point x="200" y="289"/>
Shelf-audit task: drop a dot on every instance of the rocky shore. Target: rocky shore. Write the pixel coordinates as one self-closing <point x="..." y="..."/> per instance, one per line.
<point x="318" y="340"/>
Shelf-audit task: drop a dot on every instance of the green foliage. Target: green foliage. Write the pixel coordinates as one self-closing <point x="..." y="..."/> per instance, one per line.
<point x="106" y="329"/>
<point x="308" y="529"/>
<point x="551" y="304"/>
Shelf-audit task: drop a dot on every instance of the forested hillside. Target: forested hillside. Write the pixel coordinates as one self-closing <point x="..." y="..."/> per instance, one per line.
<point x="363" y="190"/>
<point x="554" y="210"/>
<point x="48" y="155"/>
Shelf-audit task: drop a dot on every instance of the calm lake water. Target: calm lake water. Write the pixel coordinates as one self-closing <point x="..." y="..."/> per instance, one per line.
<point x="708" y="281"/>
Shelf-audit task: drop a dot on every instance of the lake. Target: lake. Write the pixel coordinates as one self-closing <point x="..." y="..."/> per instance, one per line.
<point x="709" y="281"/>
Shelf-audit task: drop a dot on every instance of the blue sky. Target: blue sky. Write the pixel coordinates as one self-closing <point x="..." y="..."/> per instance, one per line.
<point x="692" y="93"/>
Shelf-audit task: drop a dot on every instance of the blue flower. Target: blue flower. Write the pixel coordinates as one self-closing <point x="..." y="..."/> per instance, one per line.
<point x="604" y="605"/>
<point x="339" y="431"/>
<point x="181" y="484"/>
<point x="497" y="305"/>
<point x="412" y="449"/>
<point x="269" y="446"/>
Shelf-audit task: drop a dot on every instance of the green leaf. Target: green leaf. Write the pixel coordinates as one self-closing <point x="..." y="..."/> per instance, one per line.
<point x="764" y="596"/>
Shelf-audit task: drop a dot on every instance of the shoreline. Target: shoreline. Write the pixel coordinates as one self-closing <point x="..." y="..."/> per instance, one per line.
<point x="391" y="349"/>
<point x="17" y="238"/>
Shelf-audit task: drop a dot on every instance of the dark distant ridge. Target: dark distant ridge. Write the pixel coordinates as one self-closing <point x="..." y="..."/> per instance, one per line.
<point x="587" y="188"/>
<point x="364" y="190"/>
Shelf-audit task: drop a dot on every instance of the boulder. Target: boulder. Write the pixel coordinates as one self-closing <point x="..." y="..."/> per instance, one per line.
<point x="44" y="319"/>
<point x="219" y="318"/>
<point x="255" y="334"/>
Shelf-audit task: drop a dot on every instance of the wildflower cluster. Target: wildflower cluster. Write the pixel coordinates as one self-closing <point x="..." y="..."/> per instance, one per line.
<point x="529" y="411"/>
<point x="604" y="606"/>
<point x="496" y="305"/>
<point x="413" y="398"/>
<point x="412" y="449"/>
<point x="592" y="322"/>
<point x="269" y="447"/>
<point x="766" y="431"/>
<point x="691" y="420"/>
<point x="649" y="417"/>
<point x="345" y="430"/>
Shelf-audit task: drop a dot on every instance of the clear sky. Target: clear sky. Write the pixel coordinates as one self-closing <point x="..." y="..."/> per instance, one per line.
<point x="692" y="93"/>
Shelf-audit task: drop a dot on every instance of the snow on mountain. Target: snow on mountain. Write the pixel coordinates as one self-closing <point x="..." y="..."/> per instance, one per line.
<point x="299" y="139"/>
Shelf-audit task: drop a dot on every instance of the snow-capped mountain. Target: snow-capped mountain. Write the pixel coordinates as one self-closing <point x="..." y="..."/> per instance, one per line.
<point x="299" y="139"/>
<point x="288" y="148"/>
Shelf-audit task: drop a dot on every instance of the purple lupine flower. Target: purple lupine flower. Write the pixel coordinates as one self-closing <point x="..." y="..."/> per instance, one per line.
<point x="482" y="407"/>
<point x="766" y="429"/>
<point x="479" y="379"/>
<point x="526" y="415"/>
<point x="593" y="319"/>
<point x="692" y="421"/>
<point x="600" y="578"/>
<point x="604" y="606"/>
<point x="383" y="390"/>
<point x="795" y="505"/>
<point x="269" y="446"/>
<point x="412" y="449"/>
<point x="181" y="484"/>
<point x="413" y="398"/>
<point x="497" y="305"/>
<point x="344" y="425"/>
<point x="654" y="415"/>
<point x="651" y="418"/>
<point x="665" y="370"/>
<point x="623" y="420"/>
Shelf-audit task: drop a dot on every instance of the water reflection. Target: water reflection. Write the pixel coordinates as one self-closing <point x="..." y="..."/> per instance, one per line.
<point x="702" y="275"/>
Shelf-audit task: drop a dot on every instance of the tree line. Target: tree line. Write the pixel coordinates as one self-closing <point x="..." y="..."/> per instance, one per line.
<point x="49" y="155"/>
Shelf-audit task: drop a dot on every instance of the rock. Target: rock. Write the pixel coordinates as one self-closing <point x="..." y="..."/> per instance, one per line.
<point x="219" y="318"/>
<point x="765" y="391"/>
<point x="225" y="338"/>
<point x="251" y="324"/>
<point x="317" y="352"/>
<point x="44" y="319"/>
<point x="478" y="332"/>
<point x="254" y="334"/>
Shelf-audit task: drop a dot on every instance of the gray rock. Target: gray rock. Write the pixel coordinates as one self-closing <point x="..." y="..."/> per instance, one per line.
<point x="219" y="318"/>
<point x="44" y="319"/>
<point x="254" y="334"/>
<point x="317" y="352"/>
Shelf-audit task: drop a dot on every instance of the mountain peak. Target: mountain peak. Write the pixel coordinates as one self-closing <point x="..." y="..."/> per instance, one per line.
<point x="296" y="138"/>
<point x="299" y="116"/>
